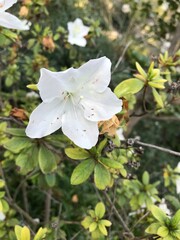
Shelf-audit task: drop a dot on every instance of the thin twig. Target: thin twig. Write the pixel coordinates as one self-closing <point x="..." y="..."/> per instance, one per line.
<point x="144" y="216"/>
<point x="158" y="148"/>
<point x="121" y="57"/>
<point x="11" y="119"/>
<point x="119" y="216"/>
<point x="74" y="237"/>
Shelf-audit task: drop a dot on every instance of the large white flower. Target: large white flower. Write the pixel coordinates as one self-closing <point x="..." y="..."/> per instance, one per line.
<point x="8" y="20"/>
<point x="77" y="31"/>
<point x="75" y="99"/>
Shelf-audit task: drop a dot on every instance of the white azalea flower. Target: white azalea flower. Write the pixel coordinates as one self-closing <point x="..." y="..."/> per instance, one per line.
<point x="119" y="132"/>
<point x="77" y="31"/>
<point x="2" y="216"/>
<point x="126" y="8"/>
<point x="75" y="99"/>
<point x="8" y="20"/>
<point x="164" y="207"/>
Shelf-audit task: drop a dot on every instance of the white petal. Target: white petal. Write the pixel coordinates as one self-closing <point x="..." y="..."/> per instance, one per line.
<point x="96" y="73"/>
<point x="83" y="29"/>
<point x="2" y="216"/>
<point x="178" y="186"/>
<point x="101" y="106"/>
<point x="80" y="41"/>
<point x="6" y="4"/>
<point x="45" y="119"/>
<point x="81" y="131"/>
<point x="10" y="21"/>
<point x="119" y="133"/>
<point x="56" y="84"/>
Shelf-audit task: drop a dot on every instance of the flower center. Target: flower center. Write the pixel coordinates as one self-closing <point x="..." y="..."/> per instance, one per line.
<point x="2" y="3"/>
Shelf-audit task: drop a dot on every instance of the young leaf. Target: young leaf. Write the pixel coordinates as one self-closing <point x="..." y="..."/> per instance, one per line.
<point x="111" y="163"/>
<point x="102" y="177"/>
<point x="141" y="70"/>
<point x="158" y="214"/>
<point x="106" y="222"/>
<point x="93" y="226"/>
<point x="163" y="231"/>
<point x="156" y="85"/>
<point x="77" y="153"/>
<point x="82" y="172"/>
<point x="18" y="231"/>
<point x="176" y="218"/>
<point x="100" y="210"/>
<point x="152" y="229"/>
<point x="47" y="160"/>
<point x="145" y="178"/>
<point x="129" y="86"/>
<point x="87" y="222"/>
<point x="40" y="235"/>
<point x="102" y="228"/>
<point x="158" y="98"/>
<point x="25" y="233"/>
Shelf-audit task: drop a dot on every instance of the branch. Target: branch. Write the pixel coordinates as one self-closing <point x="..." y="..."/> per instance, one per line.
<point x="119" y="216"/>
<point x="153" y="146"/>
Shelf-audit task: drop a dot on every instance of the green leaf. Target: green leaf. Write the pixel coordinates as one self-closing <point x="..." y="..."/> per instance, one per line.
<point x="47" y="160"/>
<point x="101" y="145"/>
<point x="176" y="219"/>
<point x="158" y="214"/>
<point x="145" y="178"/>
<point x="158" y="98"/>
<point x="141" y="70"/>
<point x="50" y="179"/>
<point x="77" y="153"/>
<point x="87" y="222"/>
<point x="20" y="132"/>
<point x="100" y="210"/>
<point x="102" y="177"/>
<point x="40" y="235"/>
<point x="102" y="228"/>
<point x="93" y="226"/>
<point x="163" y="231"/>
<point x="111" y="163"/>
<point x="92" y="213"/>
<point x="129" y="86"/>
<point x="16" y="144"/>
<point x="82" y="172"/>
<point x="152" y="229"/>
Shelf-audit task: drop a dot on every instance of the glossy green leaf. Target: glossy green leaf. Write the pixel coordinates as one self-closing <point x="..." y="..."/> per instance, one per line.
<point x="47" y="160"/>
<point x="100" y="210"/>
<point x="129" y="86"/>
<point x="82" y="172"/>
<point x="77" y="153"/>
<point x="158" y="98"/>
<point x="102" y="177"/>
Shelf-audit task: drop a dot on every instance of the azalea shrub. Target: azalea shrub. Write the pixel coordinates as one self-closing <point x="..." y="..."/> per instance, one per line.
<point x="89" y="120"/>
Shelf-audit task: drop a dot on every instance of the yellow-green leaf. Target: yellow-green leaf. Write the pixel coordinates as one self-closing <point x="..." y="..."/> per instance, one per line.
<point x="102" y="177"/>
<point x="111" y="163"/>
<point x="25" y="233"/>
<point x="100" y="210"/>
<point x="77" y="153"/>
<point x="141" y="70"/>
<point x="93" y="226"/>
<point x="156" y="85"/>
<point x="158" y="98"/>
<point x="163" y="231"/>
<point x="102" y="228"/>
<point x="32" y="87"/>
<point x="18" y="231"/>
<point x="82" y="172"/>
<point x="40" y="235"/>
<point x="158" y="214"/>
<point x="87" y="222"/>
<point x="129" y="86"/>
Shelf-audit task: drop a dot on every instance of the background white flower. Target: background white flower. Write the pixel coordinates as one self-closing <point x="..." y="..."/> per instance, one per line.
<point x="178" y="179"/>
<point x="8" y="20"/>
<point x="126" y="8"/>
<point x="119" y="132"/>
<point x="75" y="99"/>
<point x="2" y="216"/>
<point x="163" y="206"/>
<point x="77" y="31"/>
